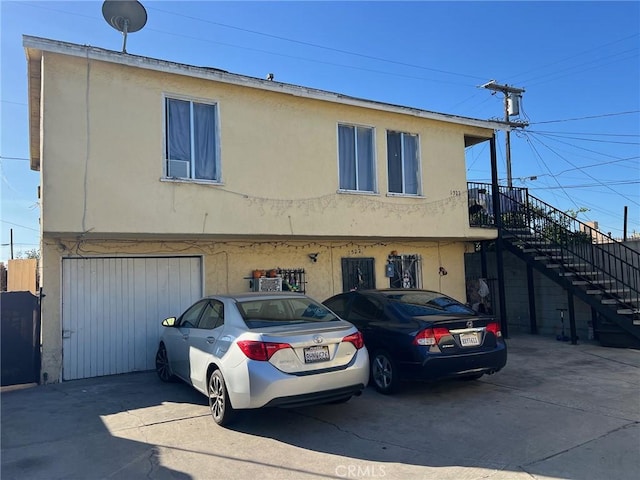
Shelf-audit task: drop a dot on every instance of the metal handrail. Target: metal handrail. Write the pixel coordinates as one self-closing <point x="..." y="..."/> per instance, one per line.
<point x="527" y="217"/>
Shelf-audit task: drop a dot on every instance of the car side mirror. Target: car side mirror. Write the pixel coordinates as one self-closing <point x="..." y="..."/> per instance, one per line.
<point x="169" y="322"/>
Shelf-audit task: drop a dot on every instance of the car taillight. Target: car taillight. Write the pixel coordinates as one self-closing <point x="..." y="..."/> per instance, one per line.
<point x="356" y="339"/>
<point x="494" y="328"/>
<point x="262" y="351"/>
<point x="430" y="336"/>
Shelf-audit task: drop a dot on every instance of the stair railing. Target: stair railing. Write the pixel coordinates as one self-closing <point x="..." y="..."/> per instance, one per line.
<point x="573" y="243"/>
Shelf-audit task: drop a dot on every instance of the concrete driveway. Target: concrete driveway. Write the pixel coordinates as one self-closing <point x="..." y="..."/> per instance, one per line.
<point x="556" y="411"/>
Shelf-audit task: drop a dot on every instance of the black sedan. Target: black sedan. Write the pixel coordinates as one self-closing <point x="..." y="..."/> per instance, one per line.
<point x="421" y="335"/>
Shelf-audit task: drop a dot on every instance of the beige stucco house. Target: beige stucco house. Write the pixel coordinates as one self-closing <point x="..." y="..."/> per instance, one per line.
<point x="163" y="182"/>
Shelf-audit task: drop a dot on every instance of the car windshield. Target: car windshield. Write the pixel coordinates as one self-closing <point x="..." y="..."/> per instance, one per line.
<point x="283" y="311"/>
<point x="418" y="304"/>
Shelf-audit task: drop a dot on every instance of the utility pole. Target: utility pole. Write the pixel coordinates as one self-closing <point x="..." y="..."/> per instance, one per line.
<point x="512" y="98"/>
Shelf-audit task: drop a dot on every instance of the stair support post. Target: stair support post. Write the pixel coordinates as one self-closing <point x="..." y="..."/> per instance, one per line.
<point x="594" y="323"/>
<point x="495" y="195"/>
<point x="533" y="319"/>
<point x="572" y="318"/>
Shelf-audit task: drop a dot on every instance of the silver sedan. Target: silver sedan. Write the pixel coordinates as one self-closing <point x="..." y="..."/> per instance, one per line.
<point x="257" y="350"/>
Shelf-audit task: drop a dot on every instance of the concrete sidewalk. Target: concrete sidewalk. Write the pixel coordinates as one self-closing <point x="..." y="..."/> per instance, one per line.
<point x="556" y="411"/>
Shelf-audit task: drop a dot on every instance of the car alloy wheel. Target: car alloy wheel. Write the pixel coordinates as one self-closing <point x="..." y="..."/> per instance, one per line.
<point x="219" y="404"/>
<point x="383" y="373"/>
<point x="162" y="365"/>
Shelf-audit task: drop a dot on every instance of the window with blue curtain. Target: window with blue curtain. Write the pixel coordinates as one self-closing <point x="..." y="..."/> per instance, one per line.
<point x="356" y="162"/>
<point x="403" y="163"/>
<point x="191" y="140"/>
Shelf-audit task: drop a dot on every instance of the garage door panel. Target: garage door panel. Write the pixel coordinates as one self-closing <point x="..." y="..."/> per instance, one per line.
<point x="112" y="309"/>
<point x="151" y="306"/>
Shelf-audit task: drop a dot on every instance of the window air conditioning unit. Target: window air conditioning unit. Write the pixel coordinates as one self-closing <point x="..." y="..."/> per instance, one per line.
<point x="269" y="284"/>
<point x="178" y="169"/>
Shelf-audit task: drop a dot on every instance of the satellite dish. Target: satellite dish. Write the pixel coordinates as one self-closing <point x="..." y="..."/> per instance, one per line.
<point x="126" y="16"/>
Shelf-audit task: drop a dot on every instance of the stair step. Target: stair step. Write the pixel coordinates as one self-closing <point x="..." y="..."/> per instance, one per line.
<point x="608" y="290"/>
<point x="541" y="250"/>
<point x="617" y="290"/>
<point x="585" y="282"/>
<point x="584" y="274"/>
<point x="613" y="301"/>
<point x="593" y="282"/>
<point x="548" y="257"/>
<point x="629" y="311"/>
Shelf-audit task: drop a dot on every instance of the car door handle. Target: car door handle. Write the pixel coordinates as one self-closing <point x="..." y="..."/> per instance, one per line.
<point x="185" y="336"/>
<point x="211" y="340"/>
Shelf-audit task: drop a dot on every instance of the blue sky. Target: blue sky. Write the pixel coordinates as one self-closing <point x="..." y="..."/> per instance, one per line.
<point x="577" y="61"/>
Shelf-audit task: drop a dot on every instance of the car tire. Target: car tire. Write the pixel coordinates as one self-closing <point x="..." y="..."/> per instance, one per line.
<point x="219" y="404"/>
<point x="163" y="369"/>
<point x="384" y="373"/>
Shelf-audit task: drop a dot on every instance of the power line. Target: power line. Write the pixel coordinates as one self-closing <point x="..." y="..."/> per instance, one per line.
<point x="620" y="161"/>
<point x="22" y="104"/>
<point x="586" y="118"/>
<point x="321" y="62"/>
<point x="588" y="133"/>
<point x="587" y="139"/>
<point x="21" y="226"/>
<point x="315" y="45"/>
<point x="14" y="158"/>
<point x="563" y="60"/>
<point x="294" y="41"/>
<point x="19" y="244"/>
<point x="587" y="174"/>
<point x="580" y="168"/>
<point x="586" y="185"/>
<point x="555" y="76"/>
<point x="576" y="146"/>
<point x="535" y="150"/>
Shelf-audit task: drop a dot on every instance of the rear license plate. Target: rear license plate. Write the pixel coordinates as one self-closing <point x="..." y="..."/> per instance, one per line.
<point x="469" y="339"/>
<point x="315" y="354"/>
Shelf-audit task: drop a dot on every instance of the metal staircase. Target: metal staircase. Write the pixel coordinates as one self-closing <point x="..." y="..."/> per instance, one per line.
<point x="594" y="267"/>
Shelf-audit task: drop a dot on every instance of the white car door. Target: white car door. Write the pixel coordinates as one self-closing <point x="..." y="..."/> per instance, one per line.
<point x="179" y="341"/>
<point x="202" y="342"/>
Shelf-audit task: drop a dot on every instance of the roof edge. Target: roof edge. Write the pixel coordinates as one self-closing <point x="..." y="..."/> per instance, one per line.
<point x="209" y="73"/>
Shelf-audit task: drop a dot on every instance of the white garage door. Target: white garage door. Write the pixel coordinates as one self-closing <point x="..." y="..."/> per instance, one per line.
<point x="112" y="309"/>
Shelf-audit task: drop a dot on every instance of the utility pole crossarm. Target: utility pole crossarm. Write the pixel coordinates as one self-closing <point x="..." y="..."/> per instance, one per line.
<point x="492" y="85"/>
<point x="511" y="94"/>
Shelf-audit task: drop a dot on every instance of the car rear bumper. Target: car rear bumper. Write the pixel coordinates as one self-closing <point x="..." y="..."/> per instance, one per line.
<point x="324" y="396"/>
<point x="268" y="386"/>
<point x="434" y="367"/>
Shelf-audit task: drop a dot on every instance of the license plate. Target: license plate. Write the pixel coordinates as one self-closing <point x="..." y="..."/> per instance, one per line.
<point x="316" y="354"/>
<point x="469" y="339"/>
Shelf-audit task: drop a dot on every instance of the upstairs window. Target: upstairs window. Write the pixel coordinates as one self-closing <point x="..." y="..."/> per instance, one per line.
<point x="355" y="158"/>
<point x="191" y="140"/>
<point x="403" y="164"/>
